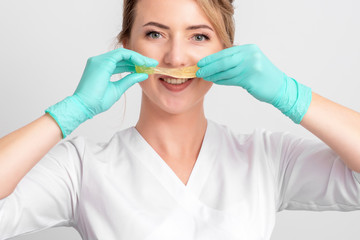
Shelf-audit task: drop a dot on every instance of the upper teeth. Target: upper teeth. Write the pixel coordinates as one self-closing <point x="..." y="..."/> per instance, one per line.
<point x="175" y="80"/>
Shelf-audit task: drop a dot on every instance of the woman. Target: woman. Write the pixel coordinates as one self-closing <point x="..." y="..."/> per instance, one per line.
<point x="177" y="175"/>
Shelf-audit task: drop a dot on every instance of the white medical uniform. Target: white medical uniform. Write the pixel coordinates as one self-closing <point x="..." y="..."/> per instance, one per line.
<point x="124" y="190"/>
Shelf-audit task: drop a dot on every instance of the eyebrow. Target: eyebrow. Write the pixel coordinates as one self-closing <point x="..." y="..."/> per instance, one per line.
<point x="156" y="25"/>
<point x="192" y="27"/>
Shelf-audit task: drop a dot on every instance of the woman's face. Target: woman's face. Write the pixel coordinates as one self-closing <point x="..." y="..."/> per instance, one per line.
<point x="176" y="34"/>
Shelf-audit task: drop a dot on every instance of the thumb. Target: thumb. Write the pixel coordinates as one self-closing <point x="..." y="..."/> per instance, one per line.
<point x="126" y="82"/>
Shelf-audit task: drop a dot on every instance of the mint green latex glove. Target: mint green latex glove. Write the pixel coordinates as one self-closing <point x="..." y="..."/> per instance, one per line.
<point x="247" y="67"/>
<point x="95" y="92"/>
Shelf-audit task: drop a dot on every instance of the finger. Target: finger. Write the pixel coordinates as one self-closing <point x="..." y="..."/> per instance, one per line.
<point x="124" y="63"/>
<point x="221" y="65"/>
<point x="133" y="57"/>
<point x="124" y="66"/>
<point x="225" y="82"/>
<point x="218" y="56"/>
<point x="122" y="69"/>
<point x="126" y="82"/>
<point x="229" y="74"/>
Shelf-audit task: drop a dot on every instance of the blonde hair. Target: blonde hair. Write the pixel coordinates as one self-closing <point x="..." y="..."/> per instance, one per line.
<point x="219" y="12"/>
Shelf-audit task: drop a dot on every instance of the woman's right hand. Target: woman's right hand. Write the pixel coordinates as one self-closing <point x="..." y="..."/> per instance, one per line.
<point x="96" y="93"/>
<point x="95" y="89"/>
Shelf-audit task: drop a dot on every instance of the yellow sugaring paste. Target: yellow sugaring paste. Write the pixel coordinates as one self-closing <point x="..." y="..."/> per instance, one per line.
<point x="185" y="72"/>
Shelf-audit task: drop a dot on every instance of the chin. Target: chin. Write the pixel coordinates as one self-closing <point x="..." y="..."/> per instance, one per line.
<point x="176" y="107"/>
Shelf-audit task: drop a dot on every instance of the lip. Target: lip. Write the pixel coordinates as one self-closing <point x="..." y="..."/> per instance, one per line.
<point x="173" y="87"/>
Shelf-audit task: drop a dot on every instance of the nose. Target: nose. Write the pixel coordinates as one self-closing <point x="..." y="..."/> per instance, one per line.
<point x="176" y="54"/>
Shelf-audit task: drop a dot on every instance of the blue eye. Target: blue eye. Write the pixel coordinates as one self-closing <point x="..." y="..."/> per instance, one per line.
<point x="201" y="37"/>
<point x="153" y="34"/>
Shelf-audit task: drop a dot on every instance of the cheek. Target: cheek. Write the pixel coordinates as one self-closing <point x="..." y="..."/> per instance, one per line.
<point x="145" y="49"/>
<point x="206" y="50"/>
<point x="145" y="85"/>
<point x="150" y="87"/>
<point x="204" y="86"/>
<point x="216" y="47"/>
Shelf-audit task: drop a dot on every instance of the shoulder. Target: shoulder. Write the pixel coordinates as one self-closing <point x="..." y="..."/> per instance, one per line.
<point x="81" y="142"/>
<point x="257" y="135"/>
<point x="258" y="138"/>
<point x="80" y="147"/>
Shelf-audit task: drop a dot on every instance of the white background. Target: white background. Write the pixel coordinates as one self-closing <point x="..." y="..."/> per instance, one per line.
<point x="44" y="46"/>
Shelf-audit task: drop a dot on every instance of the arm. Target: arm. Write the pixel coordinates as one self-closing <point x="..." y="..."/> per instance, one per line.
<point x="247" y="67"/>
<point x="23" y="148"/>
<point x="309" y="175"/>
<point x="48" y="195"/>
<point x="337" y="126"/>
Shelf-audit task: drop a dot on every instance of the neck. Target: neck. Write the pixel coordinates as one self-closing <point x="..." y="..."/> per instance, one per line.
<point x="175" y="137"/>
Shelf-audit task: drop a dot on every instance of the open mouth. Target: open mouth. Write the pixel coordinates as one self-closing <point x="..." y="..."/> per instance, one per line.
<point x="175" y="84"/>
<point x="175" y="81"/>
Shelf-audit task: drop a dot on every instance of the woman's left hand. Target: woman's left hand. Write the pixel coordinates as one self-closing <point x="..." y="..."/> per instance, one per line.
<point x="246" y="66"/>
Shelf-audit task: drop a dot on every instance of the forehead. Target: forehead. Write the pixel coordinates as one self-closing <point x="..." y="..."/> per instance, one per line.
<point x="170" y="12"/>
